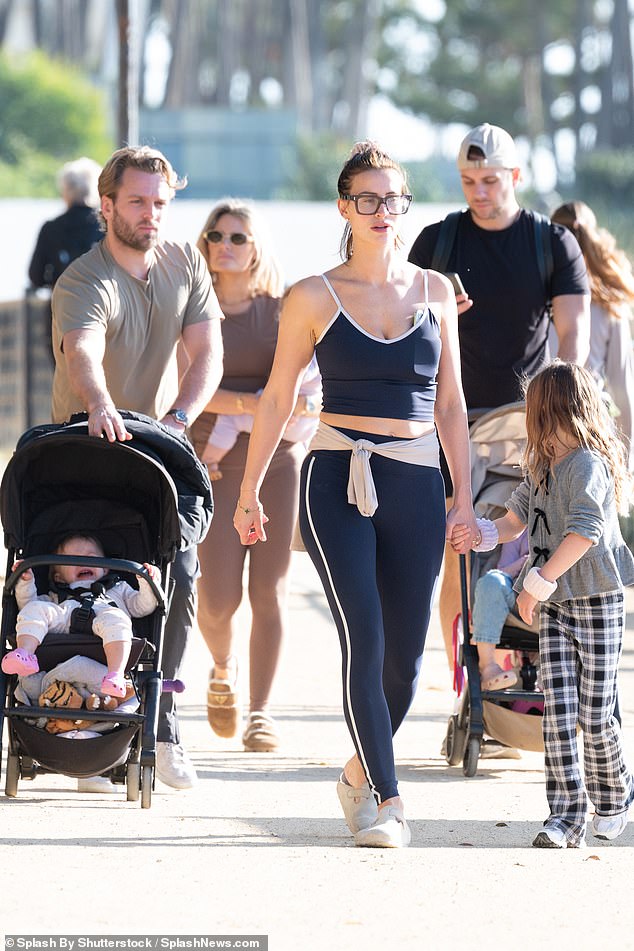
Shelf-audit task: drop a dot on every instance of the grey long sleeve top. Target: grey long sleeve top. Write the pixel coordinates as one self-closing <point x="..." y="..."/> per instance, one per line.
<point x="576" y="497"/>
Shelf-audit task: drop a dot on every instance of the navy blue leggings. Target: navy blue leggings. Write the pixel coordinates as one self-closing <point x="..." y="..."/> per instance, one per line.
<point x="379" y="576"/>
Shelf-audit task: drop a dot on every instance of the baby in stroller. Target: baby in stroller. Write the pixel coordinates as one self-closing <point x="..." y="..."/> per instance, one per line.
<point x="111" y="602"/>
<point x="494" y="598"/>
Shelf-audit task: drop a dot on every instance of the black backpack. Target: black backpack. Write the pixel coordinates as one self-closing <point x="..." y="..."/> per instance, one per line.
<point x="543" y="246"/>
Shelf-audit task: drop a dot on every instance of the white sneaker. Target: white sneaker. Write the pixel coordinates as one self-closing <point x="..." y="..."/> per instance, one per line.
<point x="96" y="784"/>
<point x="609" y="827"/>
<point x="174" y="767"/>
<point x="390" y="831"/>
<point x="358" y="804"/>
<point x="550" y="839"/>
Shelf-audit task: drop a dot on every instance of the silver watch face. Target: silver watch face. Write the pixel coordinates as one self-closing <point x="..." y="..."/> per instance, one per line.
<point x="180" y="415"/>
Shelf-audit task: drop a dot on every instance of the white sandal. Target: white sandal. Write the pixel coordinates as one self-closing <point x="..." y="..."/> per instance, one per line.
<point x="358" y="804"/>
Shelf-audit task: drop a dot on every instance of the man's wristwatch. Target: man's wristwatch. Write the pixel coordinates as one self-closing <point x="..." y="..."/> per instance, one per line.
<point x="180" y="416"/>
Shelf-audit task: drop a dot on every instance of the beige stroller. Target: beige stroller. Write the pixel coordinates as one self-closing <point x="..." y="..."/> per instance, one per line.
<point x="513" y="716"/>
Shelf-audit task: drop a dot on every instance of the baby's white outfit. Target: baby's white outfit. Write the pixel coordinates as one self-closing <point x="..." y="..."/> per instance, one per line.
<point x="39" y="614"/>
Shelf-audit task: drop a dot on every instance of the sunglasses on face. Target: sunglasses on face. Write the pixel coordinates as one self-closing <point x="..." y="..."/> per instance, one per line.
<point x="237" y="238"/>
<point x="369" y="204"/>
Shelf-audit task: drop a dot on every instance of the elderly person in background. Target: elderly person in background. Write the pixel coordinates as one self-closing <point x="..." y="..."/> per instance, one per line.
<point x="74" y="232"/>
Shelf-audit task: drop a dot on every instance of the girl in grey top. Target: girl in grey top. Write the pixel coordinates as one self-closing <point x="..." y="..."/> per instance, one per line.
<point x="578" y="563"/>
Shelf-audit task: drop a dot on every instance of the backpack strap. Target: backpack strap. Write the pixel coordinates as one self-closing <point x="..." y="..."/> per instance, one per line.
<point x="445" y="241"/>
<point x="543" y="248"/>
<point x="543" y="245"/>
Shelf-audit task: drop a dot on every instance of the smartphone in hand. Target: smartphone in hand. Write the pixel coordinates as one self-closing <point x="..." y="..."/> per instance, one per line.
<point x="458" y="286"/>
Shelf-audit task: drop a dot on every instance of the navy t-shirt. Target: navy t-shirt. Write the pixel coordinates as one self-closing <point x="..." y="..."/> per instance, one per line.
<point x="505" y="333"/>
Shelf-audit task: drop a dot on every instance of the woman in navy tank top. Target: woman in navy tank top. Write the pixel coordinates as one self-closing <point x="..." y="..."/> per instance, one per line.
<point x="372" y="507"/>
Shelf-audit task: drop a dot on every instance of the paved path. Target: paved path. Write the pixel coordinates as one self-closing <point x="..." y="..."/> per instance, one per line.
<point x="259" y="847"/>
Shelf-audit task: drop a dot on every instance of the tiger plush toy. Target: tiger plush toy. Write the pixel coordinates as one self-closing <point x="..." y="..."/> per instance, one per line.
<point x="62" y="695"/>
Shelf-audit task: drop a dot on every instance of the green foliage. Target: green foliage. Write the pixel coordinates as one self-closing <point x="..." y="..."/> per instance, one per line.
<point x="314" y="169"/>
<point x="34" y="176"/>
<point x="608" y="175"/>
<point x="433" y="180"/>
<point x="49" y="114"/>
<point x="605" y="181"/>
<point x="471" y="65"/>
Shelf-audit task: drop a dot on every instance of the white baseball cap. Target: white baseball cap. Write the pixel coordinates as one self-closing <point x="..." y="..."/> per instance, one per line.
<point x="496" y="145"/>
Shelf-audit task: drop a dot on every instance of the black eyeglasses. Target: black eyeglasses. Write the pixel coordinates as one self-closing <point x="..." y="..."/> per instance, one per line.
<point x="368" y="204"/>
<point x="237" y="238"/>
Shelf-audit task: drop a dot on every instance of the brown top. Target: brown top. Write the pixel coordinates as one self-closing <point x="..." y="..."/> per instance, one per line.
<point x="249" y="342"/>
<point x="142" y="322"/>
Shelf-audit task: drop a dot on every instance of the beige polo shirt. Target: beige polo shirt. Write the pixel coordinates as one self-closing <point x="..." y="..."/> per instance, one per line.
<point x="142" y="322"/>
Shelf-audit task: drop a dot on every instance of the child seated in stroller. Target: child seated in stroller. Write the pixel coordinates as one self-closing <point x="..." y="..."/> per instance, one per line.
<point x="112" y="601"/>
<point x="493" y="598"/>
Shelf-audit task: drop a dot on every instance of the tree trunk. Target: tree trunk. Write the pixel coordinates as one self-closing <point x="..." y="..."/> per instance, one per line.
<point x="128" y="106"/>
<point x="622" y="80"/>
<point x="302" y="66"/>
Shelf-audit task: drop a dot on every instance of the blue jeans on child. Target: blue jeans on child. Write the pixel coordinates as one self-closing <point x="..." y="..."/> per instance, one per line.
<point x="493" y="598"/>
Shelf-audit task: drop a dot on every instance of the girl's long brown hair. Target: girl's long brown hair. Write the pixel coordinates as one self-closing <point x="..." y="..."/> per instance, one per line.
<point x="609" y="270"/>
<point x="565" y="398"/>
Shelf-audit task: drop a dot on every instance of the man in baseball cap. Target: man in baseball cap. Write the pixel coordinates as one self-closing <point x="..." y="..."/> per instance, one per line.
<point x="487" y="146"/>
<point x="505" y="314"/>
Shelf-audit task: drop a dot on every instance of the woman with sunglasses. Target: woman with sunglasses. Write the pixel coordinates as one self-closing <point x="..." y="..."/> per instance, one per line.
<point x="248" y="284"/>
<point x="372" y="509"/>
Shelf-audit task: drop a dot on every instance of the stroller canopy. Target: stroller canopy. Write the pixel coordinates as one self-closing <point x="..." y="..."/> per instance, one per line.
<point x="60" y="477"/>
<point x="497" y="441"/>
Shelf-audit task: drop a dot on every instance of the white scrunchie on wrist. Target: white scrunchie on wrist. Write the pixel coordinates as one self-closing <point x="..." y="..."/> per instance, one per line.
<point x="489" y="535"/>
<point x="537" y="586"/>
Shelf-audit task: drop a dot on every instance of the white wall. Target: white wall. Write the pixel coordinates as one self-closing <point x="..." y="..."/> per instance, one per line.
<point x="305" y="235"/>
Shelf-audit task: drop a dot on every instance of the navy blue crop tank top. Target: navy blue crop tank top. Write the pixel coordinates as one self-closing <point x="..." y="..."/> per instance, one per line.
<point x="363" y="375"/>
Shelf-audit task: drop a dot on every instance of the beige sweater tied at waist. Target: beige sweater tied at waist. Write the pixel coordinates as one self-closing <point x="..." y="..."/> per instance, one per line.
<point x="421" y="451"/>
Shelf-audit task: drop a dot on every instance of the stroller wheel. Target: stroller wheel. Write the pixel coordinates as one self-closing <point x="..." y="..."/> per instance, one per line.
<point x="471" y="756"/>
<point x="133" y="781"/>
<point x="454" y="741"/>
<point x="13" y="774"/>
<point x="147" y="778"/>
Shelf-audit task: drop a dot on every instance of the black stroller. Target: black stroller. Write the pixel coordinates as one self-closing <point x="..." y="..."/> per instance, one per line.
<point x="509" y="716"/>
<point x="144" y="500"/>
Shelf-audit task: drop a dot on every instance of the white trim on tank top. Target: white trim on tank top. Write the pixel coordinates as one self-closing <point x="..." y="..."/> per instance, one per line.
<point x="419" y="316"/>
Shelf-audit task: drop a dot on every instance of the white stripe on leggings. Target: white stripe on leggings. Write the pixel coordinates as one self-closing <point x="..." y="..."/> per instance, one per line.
<point x="343" y="622"/>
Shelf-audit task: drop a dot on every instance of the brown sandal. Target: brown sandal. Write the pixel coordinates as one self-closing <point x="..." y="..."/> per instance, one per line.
<point x="223" y="706"/>
<point x="260" y="735"/>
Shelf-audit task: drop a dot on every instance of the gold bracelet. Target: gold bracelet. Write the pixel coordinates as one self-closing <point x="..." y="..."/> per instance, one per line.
<point x="240" y="403"/>
<point x="247" y="510"/>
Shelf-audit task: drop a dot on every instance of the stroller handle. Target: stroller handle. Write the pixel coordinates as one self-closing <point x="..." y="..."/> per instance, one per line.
<point x="111" y="564"/>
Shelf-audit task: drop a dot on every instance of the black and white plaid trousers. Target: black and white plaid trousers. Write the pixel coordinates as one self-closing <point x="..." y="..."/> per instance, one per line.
<point x="580" y="645"/>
